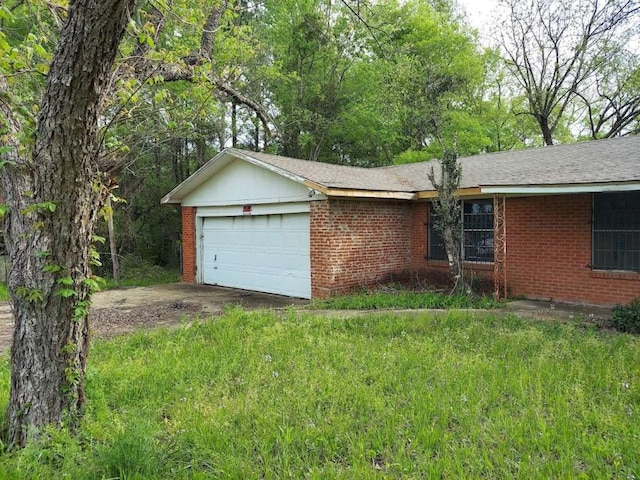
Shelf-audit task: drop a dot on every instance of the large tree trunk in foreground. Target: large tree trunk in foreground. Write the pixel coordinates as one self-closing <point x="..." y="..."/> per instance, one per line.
<point x="54" y="198"/>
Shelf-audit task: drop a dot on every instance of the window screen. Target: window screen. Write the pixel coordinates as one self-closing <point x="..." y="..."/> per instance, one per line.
<point x="616" y="231"/>
<point x="477" y="227"/>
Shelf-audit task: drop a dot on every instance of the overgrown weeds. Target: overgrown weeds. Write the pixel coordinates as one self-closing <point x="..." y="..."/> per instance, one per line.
<point x="405" y="299"/>
<point x="140" y="273"/>
<point x="269" y="395"/>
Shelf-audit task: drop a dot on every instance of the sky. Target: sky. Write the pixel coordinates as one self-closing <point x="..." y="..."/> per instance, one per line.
<point x="479" y="13"/>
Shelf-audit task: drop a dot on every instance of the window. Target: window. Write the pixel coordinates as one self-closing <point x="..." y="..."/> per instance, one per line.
<point x="616" y="231"/>
<point x="477" y="230"/>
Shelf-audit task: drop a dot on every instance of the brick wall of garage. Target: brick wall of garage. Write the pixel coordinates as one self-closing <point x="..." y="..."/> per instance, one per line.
<point x="357" y="243"/>
<point x="189" y="244"/>
<point x="549" y="253"/>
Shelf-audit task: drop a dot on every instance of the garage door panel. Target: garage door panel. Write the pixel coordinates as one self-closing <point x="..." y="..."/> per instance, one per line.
<point x="268" y="253"/>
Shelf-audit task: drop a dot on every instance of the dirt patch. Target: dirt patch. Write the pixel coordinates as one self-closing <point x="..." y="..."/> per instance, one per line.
<point x="109" y="322"/>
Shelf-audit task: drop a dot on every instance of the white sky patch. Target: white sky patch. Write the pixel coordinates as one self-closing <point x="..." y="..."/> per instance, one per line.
<point x="481" y="15"/>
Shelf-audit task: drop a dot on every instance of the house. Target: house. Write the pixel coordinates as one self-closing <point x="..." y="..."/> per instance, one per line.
<point x="559" y="222"/>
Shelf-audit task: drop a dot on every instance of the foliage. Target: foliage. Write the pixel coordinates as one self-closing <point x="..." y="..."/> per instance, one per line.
<point x="572" y="62"/>
<point x="374" y="300"/>
<point x="137" y="272"/>
<point x="626" y="318"/>
<point x="252" y="395"/>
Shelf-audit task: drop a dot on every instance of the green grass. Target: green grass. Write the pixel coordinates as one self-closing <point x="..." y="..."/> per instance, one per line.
<point x="4" y="292"/>
<point x="262" y="395"/>
<point x="400" y="299"/>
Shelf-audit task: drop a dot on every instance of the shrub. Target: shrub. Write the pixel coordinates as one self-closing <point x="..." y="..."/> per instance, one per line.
<point x="626" y="318"/>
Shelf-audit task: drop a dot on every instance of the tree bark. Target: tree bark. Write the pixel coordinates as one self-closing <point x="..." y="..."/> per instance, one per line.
<point x="55" y="193"/>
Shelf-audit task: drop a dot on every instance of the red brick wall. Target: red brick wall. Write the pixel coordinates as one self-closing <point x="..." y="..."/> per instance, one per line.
<point x="419" y="237"/>
<point x="549" y="253"/>
<point x="357" y="243"/>
<point x="189" y="244"/>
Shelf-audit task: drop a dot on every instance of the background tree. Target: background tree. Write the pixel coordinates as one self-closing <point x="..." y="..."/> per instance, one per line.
<point x="557" y="51"/>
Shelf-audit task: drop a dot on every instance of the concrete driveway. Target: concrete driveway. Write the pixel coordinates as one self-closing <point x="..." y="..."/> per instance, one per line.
<point x="210" y="299"/>
<point x="128" y="309"/>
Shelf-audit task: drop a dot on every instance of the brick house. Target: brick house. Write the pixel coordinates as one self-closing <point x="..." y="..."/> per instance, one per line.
<point x="560" y="222"/>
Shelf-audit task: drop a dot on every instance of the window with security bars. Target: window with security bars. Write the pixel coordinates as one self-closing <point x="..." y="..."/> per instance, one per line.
<point x="616" y="231"/>
<point x="477" y="231"/>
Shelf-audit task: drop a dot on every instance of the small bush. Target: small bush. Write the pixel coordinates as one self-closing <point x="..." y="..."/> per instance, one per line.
<point x="626" y="318"/>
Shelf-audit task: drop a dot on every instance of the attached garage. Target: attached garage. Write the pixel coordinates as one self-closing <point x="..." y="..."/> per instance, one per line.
<point x="292" y="227"/>
<point x="251" y="226"/>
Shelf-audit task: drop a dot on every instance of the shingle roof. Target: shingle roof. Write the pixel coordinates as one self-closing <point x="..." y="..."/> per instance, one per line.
<point x="335" y="176"/>
<point x="610" y="161"/>
<point x="597" y="161"/>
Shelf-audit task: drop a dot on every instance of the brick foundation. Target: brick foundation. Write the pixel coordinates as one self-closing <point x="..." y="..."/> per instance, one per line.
<point x="189" y="244"/>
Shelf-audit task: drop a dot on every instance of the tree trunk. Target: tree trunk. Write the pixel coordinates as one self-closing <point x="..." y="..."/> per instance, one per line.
<point x="234" y="124"/>
<point x="547" y="133"/>
<point x="453" y="248"/>
<point x="54" y="197"/>
<point x="449" y="224"/>
<point x="113" y="249"/>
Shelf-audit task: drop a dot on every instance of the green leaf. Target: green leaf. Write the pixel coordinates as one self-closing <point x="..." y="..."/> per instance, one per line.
<point x="65" y="281"/>
<point x="52" y="268"/>
<point x="65" y="292"/>
<point x="92" y="283"/>
<point x="6" y="162"/>
<point x="30" y="295"/>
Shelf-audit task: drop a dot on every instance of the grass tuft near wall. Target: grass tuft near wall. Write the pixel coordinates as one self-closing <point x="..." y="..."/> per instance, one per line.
<point x="267" y="395"/>
<point x="405" y="299"/>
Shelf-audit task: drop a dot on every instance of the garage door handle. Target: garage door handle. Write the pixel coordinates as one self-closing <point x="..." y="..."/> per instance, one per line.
<point x="215" y="257"/>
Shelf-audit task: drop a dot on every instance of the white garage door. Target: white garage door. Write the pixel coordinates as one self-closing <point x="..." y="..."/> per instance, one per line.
<point x="266" y="253"/>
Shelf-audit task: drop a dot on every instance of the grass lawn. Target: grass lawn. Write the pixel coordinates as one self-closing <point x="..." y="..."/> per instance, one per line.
<point x="257" y="395"/>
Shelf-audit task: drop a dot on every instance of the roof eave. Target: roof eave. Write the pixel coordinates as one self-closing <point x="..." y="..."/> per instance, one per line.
<point x="561" y="189"/>
<point x="359" y="193"/>
<point x="462" y="192"/>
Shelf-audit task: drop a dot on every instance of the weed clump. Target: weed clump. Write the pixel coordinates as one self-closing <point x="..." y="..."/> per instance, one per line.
<point x="626" y="318"/>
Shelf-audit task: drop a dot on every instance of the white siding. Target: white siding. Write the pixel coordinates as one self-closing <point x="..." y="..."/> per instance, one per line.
<point x="243" y="183"/>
